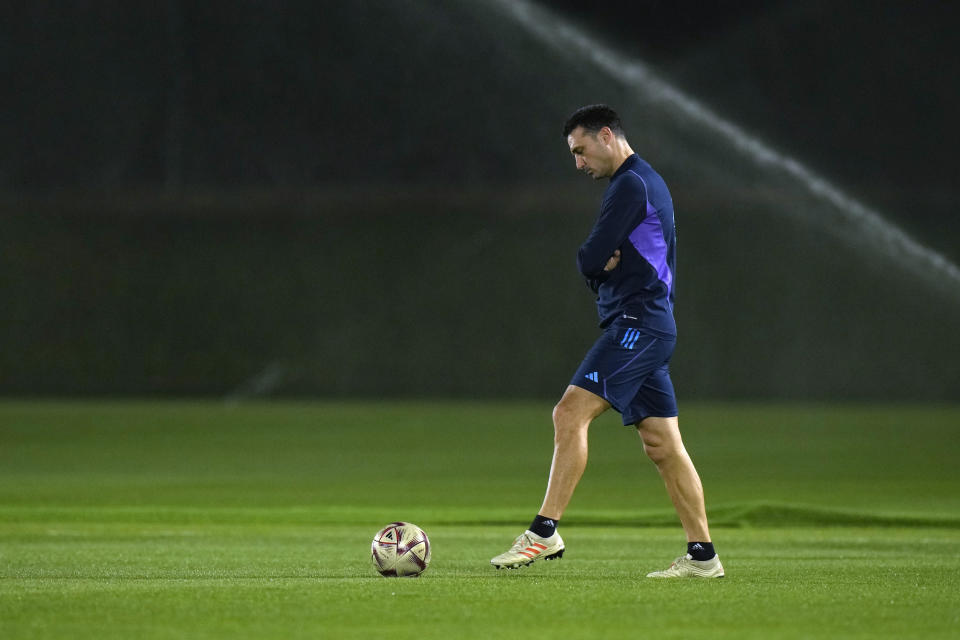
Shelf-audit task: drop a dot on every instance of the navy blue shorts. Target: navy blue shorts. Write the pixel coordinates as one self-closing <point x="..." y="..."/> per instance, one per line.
<point x="628" y="367"/>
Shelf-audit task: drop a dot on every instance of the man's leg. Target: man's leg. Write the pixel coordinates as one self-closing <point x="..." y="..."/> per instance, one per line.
<point x="663" y="445"/>
<point x="571" y="420"/>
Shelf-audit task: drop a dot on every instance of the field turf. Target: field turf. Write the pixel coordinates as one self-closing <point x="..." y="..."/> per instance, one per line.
<point x="253" y="520"/>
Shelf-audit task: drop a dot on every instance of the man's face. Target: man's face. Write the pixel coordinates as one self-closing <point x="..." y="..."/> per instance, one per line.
<point x="592" y="152"/>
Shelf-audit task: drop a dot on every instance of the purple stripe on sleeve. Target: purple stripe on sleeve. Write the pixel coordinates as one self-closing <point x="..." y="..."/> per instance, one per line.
<point x="648" y="240"/>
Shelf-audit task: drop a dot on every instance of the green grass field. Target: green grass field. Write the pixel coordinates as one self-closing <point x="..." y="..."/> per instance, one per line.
<point x="203" y="520"/>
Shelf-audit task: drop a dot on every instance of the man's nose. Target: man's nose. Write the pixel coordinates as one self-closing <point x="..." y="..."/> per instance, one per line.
<point x="580" y="163"/>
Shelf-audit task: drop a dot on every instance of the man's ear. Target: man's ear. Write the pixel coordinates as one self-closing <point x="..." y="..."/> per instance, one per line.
<point x="605" y="135"/>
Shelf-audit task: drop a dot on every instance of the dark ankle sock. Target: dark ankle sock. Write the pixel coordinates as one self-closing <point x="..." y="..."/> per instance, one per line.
<point x="701" y="550"/>
<point x="544" y="527"/>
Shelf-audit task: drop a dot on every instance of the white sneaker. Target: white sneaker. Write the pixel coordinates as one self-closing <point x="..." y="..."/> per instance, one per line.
<point x="687" y="567"/>
<point x="527" y="549"/>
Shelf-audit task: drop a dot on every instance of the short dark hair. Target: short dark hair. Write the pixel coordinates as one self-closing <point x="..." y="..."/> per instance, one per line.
<point x="592" y="118"/>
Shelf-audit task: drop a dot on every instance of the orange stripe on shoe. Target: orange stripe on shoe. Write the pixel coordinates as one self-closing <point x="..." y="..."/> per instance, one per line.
<point x="524" y="553"/>
<point x="542" y="546"/>
<point x="534" y="551"/>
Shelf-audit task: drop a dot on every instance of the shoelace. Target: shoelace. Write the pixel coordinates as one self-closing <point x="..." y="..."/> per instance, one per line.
<point x="522" y="542"/>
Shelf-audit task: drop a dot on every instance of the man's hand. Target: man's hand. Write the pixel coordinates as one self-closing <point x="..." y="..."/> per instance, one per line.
<point x="613" y="261"/>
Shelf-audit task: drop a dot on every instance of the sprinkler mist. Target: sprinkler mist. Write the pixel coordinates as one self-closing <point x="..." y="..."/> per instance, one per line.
<point x="858" y="220"/>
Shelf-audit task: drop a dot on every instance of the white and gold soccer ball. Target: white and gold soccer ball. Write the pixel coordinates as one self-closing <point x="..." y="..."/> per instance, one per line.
<point x="400" y="550"/>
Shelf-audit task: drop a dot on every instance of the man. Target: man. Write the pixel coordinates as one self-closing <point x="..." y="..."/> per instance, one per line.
<point x="629" y="262"/>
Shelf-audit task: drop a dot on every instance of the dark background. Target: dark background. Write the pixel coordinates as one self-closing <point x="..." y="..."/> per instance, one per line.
<point x="374" y="199"/>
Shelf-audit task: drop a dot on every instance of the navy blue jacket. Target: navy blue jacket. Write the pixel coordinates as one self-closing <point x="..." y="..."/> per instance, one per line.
<point x="636" y="217"/>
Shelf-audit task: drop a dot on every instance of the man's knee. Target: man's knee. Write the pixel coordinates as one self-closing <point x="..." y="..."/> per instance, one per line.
<point x="576" y="410"/>
<point x="562" y="413"/>
<point x="568" y="419"/>
<point x="659" y="453"/>
<point x="661" y="439"/>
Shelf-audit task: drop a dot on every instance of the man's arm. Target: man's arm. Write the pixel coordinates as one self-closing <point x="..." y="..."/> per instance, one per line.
<point x="622" y="210"/>
<point x="594" y="283"/>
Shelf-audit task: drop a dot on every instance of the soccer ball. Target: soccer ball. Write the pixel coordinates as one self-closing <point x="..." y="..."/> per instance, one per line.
<point x="400" y="550"/>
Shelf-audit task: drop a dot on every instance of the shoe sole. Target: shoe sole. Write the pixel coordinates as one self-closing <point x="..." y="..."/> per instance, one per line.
<point x="693" y="575"/>
<point x="552" y="556"/>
